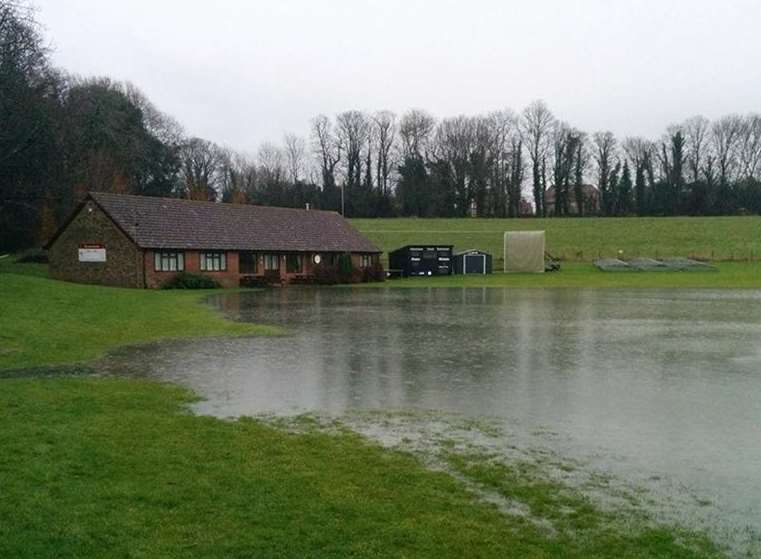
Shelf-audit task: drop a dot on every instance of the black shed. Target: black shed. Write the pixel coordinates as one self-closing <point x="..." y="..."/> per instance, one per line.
<point x="472" y="262"/>
<point x="421" y="260"/>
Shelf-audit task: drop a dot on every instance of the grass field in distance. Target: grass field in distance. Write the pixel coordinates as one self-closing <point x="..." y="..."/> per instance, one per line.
<point x="582" y="239"/>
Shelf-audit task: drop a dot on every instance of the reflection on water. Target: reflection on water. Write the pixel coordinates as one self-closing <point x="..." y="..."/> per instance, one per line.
<point x="650" y="382"/>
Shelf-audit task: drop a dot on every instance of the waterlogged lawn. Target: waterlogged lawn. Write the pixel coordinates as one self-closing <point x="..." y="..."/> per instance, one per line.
<point x="105" y="467"/>
<point x="571" y="515"/>
<point x="46" y="322"/>
<point x="118" y="468"/>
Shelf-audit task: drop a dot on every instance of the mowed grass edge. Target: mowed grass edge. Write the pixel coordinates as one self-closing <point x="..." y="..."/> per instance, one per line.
<point x="46" y="322"/>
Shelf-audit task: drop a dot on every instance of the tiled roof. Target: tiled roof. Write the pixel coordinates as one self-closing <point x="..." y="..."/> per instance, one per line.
<point x="187" y="224"/>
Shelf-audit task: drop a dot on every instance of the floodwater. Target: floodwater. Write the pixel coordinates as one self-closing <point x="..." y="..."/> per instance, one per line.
<point x="661" y="387"/>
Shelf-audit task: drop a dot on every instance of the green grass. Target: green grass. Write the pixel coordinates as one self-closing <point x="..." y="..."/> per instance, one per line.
<point x="46" y="322"/>
<point x="9" y="265"/>
<point x="117" y="468"/>
<point x="737" y="275"/>
<point x="713" y="238"/>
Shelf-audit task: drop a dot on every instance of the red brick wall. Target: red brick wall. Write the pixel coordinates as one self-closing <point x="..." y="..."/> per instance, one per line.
<point x="228" y="278"/>
<point x="306" y="259"/>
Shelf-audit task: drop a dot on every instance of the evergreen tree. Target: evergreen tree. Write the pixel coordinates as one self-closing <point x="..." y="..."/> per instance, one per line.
<point x="624" y="198"/>
<point x="640" y="189"/>
<point x="412" y="188"/>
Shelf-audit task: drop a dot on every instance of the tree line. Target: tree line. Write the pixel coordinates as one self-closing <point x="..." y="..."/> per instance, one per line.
<point x="62" y="136"/>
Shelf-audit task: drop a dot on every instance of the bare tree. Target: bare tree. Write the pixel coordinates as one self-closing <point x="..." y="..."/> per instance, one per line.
<point x="725" y="137"/>
<point x="386" y="134"/>
<point x="295" y="156"/>
<point x="328" y="149"/>
<point x="416" y="131"/>
<point x="200" y="165"/>
<point x="504" y="126"/>
<point x="566" y="142"/>
<point x="750" y="147"/>
<point x="482" y="162"/>
<point x="239" y="181"/>
<point x="604" y="153"/>
<point x="164" y="127"/>
<point x="696" y="137"/>
<point x="537" y="128"/>
<point x="453" y="145"/>
<point x="353" y="132"/>
<point x="417" y="193"/>
<point x="271" y="159"/>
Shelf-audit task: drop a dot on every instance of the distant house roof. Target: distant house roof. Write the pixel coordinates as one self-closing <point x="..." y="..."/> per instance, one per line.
<point x="153" y="222"/>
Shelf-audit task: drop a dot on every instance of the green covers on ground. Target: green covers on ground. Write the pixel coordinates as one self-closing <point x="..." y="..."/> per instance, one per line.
<point x="652" y="265"/>
<point x="524" y="251"/>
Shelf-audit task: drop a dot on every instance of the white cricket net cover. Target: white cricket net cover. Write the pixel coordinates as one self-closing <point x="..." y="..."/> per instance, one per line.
<point x="524" y="251"/>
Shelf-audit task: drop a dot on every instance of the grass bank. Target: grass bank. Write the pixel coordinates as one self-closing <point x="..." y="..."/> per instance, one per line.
<point x="46" y="322"/>
<point x="712" y="238"/>
<point x="735" y="275"/>
<point x="117" y="468"/>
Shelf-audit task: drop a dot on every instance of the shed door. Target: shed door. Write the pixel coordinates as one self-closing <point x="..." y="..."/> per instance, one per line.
<point x="475" y="264"/>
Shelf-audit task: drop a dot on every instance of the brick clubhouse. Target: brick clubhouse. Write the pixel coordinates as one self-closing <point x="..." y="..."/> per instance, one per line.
<point x="143" y="241"/>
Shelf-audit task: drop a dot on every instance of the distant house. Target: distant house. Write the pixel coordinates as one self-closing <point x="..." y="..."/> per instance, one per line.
<point x="591" y="197"/>
<point x="141" y="241"/>
<point x="525" y="208"/>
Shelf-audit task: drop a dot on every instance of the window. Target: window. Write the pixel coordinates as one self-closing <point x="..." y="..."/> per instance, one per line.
<point x="168" y="261"/>
<point x="271" y="262"/>
<point x="213" y="262"/>
<point x="248" y="262"/>
<point x="366" y="261"/>
<point x="293" y="264"/>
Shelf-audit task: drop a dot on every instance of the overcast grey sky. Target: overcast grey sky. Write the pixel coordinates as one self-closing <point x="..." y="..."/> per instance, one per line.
<point x="242" y="72"/>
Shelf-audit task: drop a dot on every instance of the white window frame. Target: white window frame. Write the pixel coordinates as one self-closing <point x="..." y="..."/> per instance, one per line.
<point x="214" y="261"/>
<point x="366" y="260"/>
<point x="169" y="261"/>
<point x="269" y="259"/>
